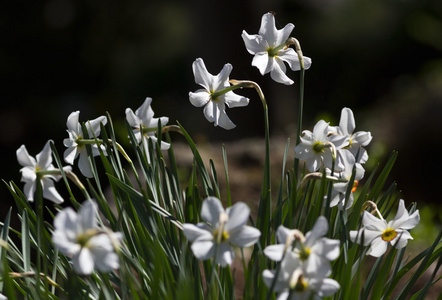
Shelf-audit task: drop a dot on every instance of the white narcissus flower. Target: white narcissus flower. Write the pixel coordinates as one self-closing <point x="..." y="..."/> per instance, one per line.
<point x="378" y="233"/>
<point x="356" y="140"/>
<point x="73" y="143"/>
<point x="42" y="162"/>
<point x="270" y="51"/>
<point x="316" y="147"/>
<point x="314" y="253"/>
<point x="78" y="236"/>
<point x="214" y="96"/>
<point x="340" y="188"/>
<point x="223" y="229"/>
<point x="143" y="121"/>
<point x="292" y="283"/>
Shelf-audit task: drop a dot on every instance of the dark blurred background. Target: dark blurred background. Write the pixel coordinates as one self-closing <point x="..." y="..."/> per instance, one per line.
<point x="382" y="58"/>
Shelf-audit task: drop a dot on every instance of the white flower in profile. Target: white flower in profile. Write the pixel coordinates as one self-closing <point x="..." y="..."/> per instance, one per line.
<point x="75" y="145"/>
<point x="31" y="165"/>
<point x="223" y="229"/>
<point x="78" y="236"/>
<point x="215" y="94"/>
<point x="317" y="147"/>
<point x="270" y="50"/>
<point x="145" y="125"/>
<point x="356" y="140"/>
<point x="293" y="283"/>
<point x="340" y="188"/>
<point x="378" y="233"/>
<point x="314" y="251"/>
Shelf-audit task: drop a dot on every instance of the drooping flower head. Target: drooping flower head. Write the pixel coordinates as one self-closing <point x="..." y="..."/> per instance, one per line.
<point x="145" y="125"/>
<point x="340" y="188"/>
<point x="378" y="233"/>
<point x="79" y="237"/>
<point x="31" y="165"/>
<point x="270" y="50"/>
<point x="215" y="94"/>
<point x="223" y="228"/>
<point x="74" y="144"/>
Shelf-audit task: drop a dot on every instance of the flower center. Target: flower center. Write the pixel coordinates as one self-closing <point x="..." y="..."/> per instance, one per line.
<point x="83" y="238"/>
<point x="300" y="285"/>
<point x="318" y="147"/>
<point x="389" y="234"/>
<point x="355" y="186"/>
<point x="224" y="237"/>
<point x="304" y="253"/>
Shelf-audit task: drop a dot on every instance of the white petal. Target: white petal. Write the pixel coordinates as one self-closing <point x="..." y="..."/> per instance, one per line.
<point x="44" y="158"/>
<point x="246" y="236"/>
<point x="83" y="262"/>
<point x="347" y="123"/>
<point x="93" y="126"/>
<point x="84" y="164"/>
<point x="319" y="230"/>
<point x="72" y="122"/>
<point x="221" y="81"/>
<point x="23" y="157"/>
<point x="328" y="287"/>
<point x="29" y="190"/>
<point x="234" y="100"/>
<point x="225" y="254"/>
<point x="327" y="248"/>
<point x="49" y="191"/>
<point x="238" y="216"/>
<point x="202" y="76"/>
<point x="278" y="72"/>
<point x="263" y="62"/>
<point x="132" y="119"/>
<point x="254" y="43"/>
<point x="203" y="249"/>
<point x="377" y="247"/>
<point x="70" y="154"/>
<point x="193" y="232"/>
<point x="28" y="174"/>
<point x="362" y="138"/>
<point x="275" y="252"/>
<point x="291" y="58"/>
<point x="88" y="215"/>
<point x="268" y="29"/>
<point x="145" y="112"/>
<point x="199" y="98"/>
<point x="211" y="210"/>
<point x="282" y="233"/>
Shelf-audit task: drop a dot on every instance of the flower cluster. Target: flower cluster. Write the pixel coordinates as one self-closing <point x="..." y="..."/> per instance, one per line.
<point x="79" y="237"/>
<point x="339" y="150"/>
<point x="221" y="229"/>
<point x="304" y="262"/>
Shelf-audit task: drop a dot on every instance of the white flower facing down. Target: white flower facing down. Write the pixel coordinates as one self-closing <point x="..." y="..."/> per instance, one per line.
<point x="313" y="254"/>
<point x="357" y="140"/>
<point x="270" y="51"/>
<point x="293" y="284"/>
<point x="212" y="97"/>
<point x="223" y="229"/>
<point x="145" y="125"/>
<point x="340" y="188"/>
<point x="74" y="148"/>
<point x="378" y="233"/>
<point x="316" y="149"/>
<point x="78" y="236"/>
<point x="42" y="162"/>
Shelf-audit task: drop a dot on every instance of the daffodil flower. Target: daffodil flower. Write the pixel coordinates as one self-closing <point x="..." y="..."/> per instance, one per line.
<point x="216" y="94"/>
<point x="340" y="188"/>
<point x="223" y="228"/>
<point x="293" y="283"/>
<point x="79" y="237"/>
<point x="76" y="143"/>
<point x="356" y="140"/>
<point x="145" y="125"/>
<point x="318" y="148"/>
<point x="377" y="233"/>
<point x="42" y="164"/>
<point x="270" y="50"/>
<point x="313" y="251"/>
